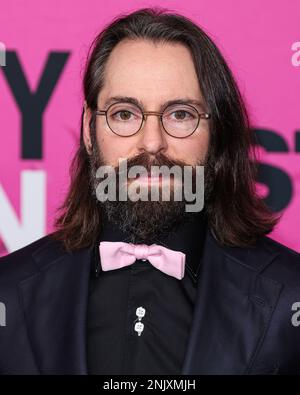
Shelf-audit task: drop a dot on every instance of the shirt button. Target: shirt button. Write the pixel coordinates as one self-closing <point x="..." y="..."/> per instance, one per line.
<point x="140" y="312"/>
<point x="139" y="327"/>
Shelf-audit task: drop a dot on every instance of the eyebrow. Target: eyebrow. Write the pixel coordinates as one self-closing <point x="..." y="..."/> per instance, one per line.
<point x="133" y="100"/>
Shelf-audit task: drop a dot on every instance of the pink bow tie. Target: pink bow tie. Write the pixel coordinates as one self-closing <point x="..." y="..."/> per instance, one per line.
<point x="115" y="255"/>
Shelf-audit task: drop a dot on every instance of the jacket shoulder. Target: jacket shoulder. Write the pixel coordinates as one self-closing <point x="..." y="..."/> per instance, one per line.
<point x="285" y="267"/>
<point x="280" y="248"/>
<point x="21" y="262"/>
<point x="268" y="257"/>
<point x="285" y="258"/>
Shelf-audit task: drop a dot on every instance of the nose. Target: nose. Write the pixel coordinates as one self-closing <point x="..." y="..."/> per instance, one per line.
<point x="152" y="137"/>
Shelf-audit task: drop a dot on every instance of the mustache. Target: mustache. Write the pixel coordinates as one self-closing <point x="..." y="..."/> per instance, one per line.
<point x="147" y="161"/>
<point x="143" y="159"/>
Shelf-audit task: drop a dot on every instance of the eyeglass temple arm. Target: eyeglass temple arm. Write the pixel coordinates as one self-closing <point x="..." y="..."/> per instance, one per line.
<point x="100" y="112"/>
<point x="205" y="115"/>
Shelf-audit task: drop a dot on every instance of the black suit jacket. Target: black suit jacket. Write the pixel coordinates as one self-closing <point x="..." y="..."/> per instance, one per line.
<point x="242" y="320"/>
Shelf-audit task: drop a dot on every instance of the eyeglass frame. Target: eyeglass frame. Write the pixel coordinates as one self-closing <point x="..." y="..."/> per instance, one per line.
<point x="203" y="115"/>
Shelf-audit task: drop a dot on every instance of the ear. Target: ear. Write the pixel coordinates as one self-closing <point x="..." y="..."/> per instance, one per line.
<point x="86" y="128"/>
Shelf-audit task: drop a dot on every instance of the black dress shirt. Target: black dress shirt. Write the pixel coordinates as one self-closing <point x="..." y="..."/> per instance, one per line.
<point x="113" y="344"/>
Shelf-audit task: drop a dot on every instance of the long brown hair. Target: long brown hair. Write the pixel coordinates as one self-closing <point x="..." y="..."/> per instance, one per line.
<point x="236" y="214"/>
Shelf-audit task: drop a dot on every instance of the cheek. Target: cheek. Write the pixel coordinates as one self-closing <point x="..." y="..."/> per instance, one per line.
<point x="194" y="148"/>
<point x="112" y="148"/>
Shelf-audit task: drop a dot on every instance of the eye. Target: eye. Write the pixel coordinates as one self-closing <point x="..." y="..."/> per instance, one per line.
<point x="124" y="115"/>
<point x="182" y="115"/>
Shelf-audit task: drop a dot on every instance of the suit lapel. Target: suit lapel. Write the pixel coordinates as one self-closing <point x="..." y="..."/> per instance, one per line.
<point x="234" y="306"/>
<point x="55" y="300"/>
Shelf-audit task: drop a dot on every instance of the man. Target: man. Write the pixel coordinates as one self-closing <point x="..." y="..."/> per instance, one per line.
<point x="146" y="287"/>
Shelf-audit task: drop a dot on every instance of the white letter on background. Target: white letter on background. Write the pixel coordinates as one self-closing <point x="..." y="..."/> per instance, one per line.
<point x="17" y="233"/>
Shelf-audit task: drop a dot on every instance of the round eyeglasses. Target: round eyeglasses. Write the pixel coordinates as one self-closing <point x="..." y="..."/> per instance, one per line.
<point x="178" y="120"/>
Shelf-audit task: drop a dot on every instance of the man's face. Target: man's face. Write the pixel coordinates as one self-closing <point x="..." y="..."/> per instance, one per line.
<point x="153" y="74"/>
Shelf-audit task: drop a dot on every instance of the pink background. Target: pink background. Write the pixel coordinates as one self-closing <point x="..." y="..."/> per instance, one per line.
<point x="255" y="37"/>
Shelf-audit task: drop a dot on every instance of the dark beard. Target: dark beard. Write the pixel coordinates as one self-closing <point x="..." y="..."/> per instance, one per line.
<point x="145" y="222"/>
<point x="142" y="221"/>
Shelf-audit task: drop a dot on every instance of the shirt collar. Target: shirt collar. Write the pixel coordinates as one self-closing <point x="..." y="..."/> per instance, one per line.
<point x="187" y="238"/>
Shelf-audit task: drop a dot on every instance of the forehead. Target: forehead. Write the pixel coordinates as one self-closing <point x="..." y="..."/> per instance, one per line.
<point x="150" y="71"/>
